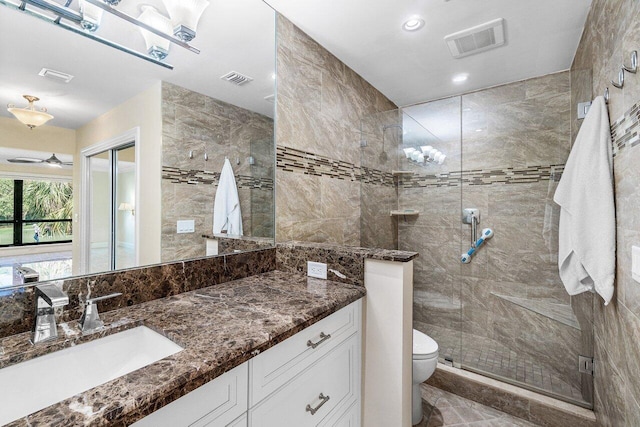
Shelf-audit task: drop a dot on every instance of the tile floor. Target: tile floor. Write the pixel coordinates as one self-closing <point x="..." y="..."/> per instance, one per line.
<point x="442" y="408"/>
<point x="487" y="355"/>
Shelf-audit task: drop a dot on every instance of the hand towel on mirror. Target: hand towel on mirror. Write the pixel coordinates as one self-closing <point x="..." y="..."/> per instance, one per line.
<point x="226" y="207"/>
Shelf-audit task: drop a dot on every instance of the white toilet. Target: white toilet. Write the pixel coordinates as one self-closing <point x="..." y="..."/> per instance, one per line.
<point x="425" y="359"/>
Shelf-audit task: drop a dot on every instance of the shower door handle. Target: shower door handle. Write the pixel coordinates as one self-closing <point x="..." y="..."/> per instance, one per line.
<point x="472" y="216"/>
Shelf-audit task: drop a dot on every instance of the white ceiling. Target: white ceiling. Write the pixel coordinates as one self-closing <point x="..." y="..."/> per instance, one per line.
<point x="542" y="37"/>
<point x="236" y="35"/>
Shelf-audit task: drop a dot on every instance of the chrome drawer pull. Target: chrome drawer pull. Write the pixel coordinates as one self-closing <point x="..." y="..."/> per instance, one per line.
<point x="324" y="399"/>
<point x="323" y="338"/>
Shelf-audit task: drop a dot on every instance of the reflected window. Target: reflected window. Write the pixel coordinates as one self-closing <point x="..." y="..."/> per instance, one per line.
<point x="35" y="212"/>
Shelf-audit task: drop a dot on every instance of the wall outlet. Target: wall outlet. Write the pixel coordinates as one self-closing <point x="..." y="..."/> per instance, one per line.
<point x="186" y="226"/>
<point x="317" y="269"/>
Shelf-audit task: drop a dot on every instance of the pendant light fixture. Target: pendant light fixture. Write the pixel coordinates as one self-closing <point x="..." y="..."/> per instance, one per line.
<point x="185" y="15"/>
<point x="29" y="115"/>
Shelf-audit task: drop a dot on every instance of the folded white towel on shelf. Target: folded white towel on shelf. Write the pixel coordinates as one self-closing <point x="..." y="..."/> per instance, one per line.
<point x="587" y="235"/>
<point x="226" y="206"/>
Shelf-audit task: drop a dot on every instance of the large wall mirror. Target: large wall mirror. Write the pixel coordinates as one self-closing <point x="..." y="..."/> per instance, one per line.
<point x="127" y="171"/>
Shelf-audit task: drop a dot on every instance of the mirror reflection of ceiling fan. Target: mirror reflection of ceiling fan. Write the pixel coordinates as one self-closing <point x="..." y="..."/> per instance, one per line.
<point x="51" y="161"/>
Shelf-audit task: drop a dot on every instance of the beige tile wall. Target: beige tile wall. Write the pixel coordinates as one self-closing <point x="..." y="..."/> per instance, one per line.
<point x="611" y="33"/>
<point x="320" y="103"/>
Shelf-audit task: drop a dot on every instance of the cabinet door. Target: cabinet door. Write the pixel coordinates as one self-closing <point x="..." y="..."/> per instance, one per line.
<point x="278" y="365"/>
<point x="217" y="403"/>
<point x="335" y="377"/>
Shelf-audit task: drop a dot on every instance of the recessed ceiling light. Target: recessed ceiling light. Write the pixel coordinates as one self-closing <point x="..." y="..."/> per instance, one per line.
<point x="413" y="24"/>
<point x="478" y="130"/>
<point x="460" y="78"/>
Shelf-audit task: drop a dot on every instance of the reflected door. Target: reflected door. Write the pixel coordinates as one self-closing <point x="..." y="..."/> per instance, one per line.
<point x="111" y="222"/>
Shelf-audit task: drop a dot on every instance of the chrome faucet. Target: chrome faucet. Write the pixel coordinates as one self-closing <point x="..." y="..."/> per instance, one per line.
<point x="90" y="320"/>
<point x="48" y="297"/>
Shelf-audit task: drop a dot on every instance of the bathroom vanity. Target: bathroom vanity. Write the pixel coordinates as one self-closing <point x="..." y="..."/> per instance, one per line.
<point x="254" y="349"/>
<point x="312" y="378"/>
<point x="250" y="340"/>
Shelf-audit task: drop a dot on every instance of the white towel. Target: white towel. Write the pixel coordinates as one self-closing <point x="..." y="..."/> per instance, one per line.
<point x="587" y="236"/>
<point x="226" y="207"/>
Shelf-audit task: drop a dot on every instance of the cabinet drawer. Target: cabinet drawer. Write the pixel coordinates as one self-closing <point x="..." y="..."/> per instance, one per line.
<point x="217" y="403"/>
<point x="278" y="365"/>
<point x="336" y="376"/>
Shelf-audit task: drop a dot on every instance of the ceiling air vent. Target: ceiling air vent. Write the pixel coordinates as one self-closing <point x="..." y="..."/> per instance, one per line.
<point x="477" y="39"/>
<point x="58" y="76"/>
<point x="236" y="78"/>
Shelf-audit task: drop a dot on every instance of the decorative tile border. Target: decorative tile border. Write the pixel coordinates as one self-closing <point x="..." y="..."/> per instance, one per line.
<point x="485" y="177"/>
<point x="293" y="160"/>
<point x="195" y="177"/>
<point x="625" y="131"/>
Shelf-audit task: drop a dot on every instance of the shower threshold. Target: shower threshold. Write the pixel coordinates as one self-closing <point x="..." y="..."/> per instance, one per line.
<point x="529" y="387"/>
<point x="513" y="399"/>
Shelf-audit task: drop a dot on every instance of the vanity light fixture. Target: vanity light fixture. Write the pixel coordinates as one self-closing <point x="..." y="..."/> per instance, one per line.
<point x="185" y="15"/>
<point x="29" y="115"/>
<point x="91" y="16"/>
<point x="157" y="47"/>
<point x="85" y="18"/>
<point x="413" y="24"/>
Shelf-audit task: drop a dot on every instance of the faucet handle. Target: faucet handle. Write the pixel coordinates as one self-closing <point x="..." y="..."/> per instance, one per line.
<point x="104" y="297"/>
<point x="90" y="320"/>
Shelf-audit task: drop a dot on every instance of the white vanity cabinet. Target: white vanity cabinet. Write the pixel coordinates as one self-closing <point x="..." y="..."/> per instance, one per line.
<point x="218" y="403"/>
<point x="311" y="379"/>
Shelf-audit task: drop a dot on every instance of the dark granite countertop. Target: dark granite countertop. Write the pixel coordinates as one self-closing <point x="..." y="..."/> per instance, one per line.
<point x="371" y="253"/>
<point x="220" y="327"/>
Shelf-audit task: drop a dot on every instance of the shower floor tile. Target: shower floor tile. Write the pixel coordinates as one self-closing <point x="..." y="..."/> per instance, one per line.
<point x="487" y="355"/>
<point x="441" y="408"/>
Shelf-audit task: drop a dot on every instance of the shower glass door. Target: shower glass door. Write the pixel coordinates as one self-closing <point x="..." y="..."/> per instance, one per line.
<point x="518" y="324"/>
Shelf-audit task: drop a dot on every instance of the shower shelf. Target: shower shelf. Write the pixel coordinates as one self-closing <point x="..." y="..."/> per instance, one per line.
<point x="399" y="173"/>
<point x="405" y="212"/>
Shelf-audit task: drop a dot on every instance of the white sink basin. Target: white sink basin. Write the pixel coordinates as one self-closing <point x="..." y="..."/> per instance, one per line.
<point x="37" y="383"/>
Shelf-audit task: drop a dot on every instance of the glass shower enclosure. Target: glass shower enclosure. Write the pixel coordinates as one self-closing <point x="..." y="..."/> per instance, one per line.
<point x="504" y="313"/>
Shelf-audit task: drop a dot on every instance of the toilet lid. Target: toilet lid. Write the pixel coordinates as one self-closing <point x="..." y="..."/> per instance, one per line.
<point x="423" y="345"/>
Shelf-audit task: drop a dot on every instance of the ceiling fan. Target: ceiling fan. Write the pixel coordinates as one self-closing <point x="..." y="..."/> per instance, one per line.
<point x="51" y="161"/>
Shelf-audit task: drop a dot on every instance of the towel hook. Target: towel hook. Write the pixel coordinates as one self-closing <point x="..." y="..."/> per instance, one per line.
<point x="206" y="157"/>
<point x="606" y="95"/>
<point x="634" y="63"/>
<point x="620" y="83"/>
<point x="191" y="154"/>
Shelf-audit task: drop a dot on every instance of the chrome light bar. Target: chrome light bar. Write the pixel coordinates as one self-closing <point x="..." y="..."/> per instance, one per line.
<point x="66" y="13"/>
<point x="108" y="8"/>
